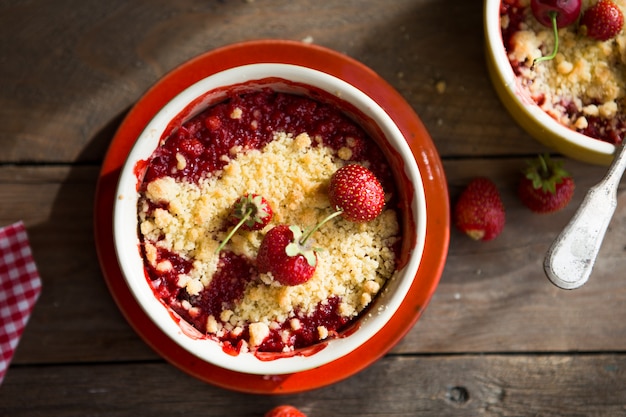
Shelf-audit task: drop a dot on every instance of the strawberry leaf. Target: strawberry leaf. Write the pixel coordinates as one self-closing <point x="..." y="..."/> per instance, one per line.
<point x="310" y="257"/>
<point x="545" y="174"/>
<point x="253" y="208"/>
<point x="297" y="233"/>
<point x="250" y="212"/>
<point x="296" y="247"/>
<point x="292" y="249"/>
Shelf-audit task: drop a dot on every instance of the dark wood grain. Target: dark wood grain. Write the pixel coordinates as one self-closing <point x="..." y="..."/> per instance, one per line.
<point x="497" y="339"/>
<point x="77" y="68"/>
<point x="492" y="385"/>
<point x="493" y="297"/>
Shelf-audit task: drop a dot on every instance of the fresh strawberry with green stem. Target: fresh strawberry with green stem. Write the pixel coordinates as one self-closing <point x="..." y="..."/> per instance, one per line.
<point x="561" y="13"/>
<point x="356" y="193"/>
<point x="602" y="21"/>
<point x="479" y="211"/>
<point x="555" y="14"/>
<point x="250" y="212"/>
<point x="285" y="411"/>
<point x="285" y="254"/>
<point x="546" y="186"/>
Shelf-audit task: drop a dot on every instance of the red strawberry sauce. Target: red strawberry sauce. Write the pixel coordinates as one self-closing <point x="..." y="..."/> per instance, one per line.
<point x="607" y="130"/>
<point x="203" y="140"/>
<point x="206" y="138"/>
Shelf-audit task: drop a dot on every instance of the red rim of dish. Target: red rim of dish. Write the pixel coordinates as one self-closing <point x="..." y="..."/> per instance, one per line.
<point x="340" y="66"/>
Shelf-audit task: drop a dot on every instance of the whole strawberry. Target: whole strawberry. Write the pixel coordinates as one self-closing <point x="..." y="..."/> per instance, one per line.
<point x="545" y="187"/>
<point x="285" y="411"/>
<point x="249" y="212"/>
<point x="253" y="211"/>
<point x="283" y="254"/>
<point x="561" y="13"/>
<point x="479" y="211"/>
<point x="602" y="21"/>
<point x="357" y="193"/>
<point x="555" y="14"/>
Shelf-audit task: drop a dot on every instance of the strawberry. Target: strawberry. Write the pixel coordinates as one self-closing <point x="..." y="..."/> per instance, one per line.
<point x="545" y="187"/>
<point x="249" y="212"/>
<point x="562" y="12"/>
<point x="285" y="411"/>
<point x="283" y="254"/>
<point x="602" y="21"/>
<point x="357" y="193"/>
<point x="253" y="210"/>
<point x="555" y="14"/>
<point x="479" y="211"/>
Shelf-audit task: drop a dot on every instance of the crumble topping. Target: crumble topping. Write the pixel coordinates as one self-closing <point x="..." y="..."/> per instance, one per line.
<point x="584" y="87"/>
<point x="188" y="219"/>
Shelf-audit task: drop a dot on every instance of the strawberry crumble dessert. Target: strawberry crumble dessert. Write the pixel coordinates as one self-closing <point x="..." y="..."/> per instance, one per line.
<point x="268" y="222"/>
<point x="574" y="67"/>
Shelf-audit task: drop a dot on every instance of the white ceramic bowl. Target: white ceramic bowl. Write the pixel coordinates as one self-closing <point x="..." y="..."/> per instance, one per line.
<point x="524" y="110"/>
<point x="209" y="91"/>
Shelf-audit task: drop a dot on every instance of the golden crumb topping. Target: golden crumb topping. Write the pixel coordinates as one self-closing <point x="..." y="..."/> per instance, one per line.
<point x="292" y="174"/>
<point x="586" y="78"/>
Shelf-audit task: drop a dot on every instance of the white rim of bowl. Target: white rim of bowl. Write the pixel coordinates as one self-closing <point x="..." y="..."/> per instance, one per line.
<point x="505" y="71"/>
<point x="127" y="240"/>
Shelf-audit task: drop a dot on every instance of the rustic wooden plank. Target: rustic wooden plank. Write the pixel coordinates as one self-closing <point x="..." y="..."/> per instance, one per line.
<point x="497" y="338"/>
<point x="466" y="385"/>
<point x="75" y="318"/>
<point x="70" y="71"/>
<point x="493" y="297"/>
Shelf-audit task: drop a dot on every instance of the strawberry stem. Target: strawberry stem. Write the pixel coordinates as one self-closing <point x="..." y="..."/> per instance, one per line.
<point x="545" y="174"/>
<point x="245" y="217"/>
<point x="553" y="16"/>
<point x="544" y="165"/>
<point x="297" y="247"/>
<point x="308" y="234"/>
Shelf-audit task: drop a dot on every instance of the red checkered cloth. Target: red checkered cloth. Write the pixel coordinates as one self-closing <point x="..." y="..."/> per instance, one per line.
<point x="20" y="286"/>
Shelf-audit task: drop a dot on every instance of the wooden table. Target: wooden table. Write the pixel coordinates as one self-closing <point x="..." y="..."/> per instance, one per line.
<point x="497" y="338"/>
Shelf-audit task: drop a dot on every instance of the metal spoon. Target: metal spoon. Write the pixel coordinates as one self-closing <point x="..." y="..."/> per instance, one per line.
<point x="571" y="257"/>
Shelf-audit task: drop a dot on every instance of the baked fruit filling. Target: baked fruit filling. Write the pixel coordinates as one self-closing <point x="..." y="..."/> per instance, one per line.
<point x="201" y="231"/>
<point x="583" y="85"/>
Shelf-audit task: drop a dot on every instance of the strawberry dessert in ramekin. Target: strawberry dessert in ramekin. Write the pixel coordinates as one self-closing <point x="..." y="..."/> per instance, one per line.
<point x="280" y="217"/>
<point x="270" y="219"/>
<point x="575" y="67"/>
<point x="268" y="222"/>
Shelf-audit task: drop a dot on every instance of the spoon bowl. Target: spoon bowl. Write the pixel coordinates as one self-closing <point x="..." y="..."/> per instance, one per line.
<point x="571" y="257"/>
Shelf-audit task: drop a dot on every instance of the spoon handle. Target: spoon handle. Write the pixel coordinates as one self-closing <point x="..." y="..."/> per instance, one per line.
<point x="571" y="257"/>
